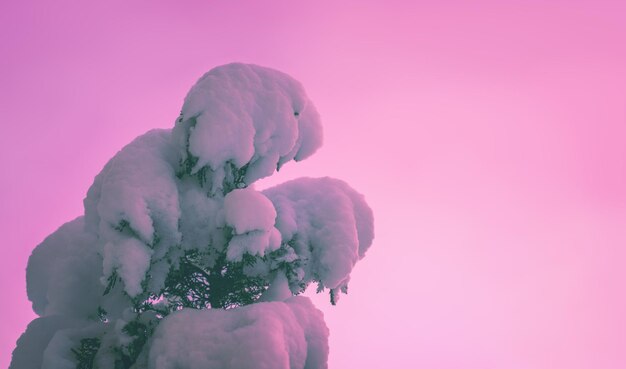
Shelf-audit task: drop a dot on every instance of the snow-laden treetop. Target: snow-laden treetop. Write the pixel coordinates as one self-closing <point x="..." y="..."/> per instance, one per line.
<point x="244" y="118"/>
<point x="173" y="225"/>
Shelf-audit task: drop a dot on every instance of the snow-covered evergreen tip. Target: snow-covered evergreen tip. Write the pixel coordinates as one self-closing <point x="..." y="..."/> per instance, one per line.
<point x="245" y="117"/>
<point x="178" y="262"/>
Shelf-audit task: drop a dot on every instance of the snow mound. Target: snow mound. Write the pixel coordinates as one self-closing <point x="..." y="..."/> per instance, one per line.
<point x="63" y="272"/>
<point x="328" y="224"/>
<point x="241" y="116"/>
<point x="135" y="193"/>
<point x="29" y="353"/>
<point x="133" y="205"/>
<point x="252" y="217"/>
<point x="247" y="210"/>
<point x="267" y="335"/>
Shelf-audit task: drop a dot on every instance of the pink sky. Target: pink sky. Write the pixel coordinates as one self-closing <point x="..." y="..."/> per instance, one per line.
<point x="488" y="138"/>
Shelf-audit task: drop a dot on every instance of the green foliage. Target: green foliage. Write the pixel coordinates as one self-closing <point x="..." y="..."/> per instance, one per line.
<point x="111" y="281"/>
<point x="234" y="178"/>
<point x="194" y="285"/>
<point x="230" y="287"/>
<point x="86" y="352"/>
<point x="289" y="267"/>
<point x="127" y="355"/>
<point x="333" y="296"/>
<point x="186" y="165"/>
<point x="102" y="315"/>
<point x="187" y="286"/>
<point x="197" y="280"/>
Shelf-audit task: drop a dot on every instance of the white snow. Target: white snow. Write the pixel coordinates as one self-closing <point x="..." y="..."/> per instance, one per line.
<point x="253" y="243"/>
<point x="136" y="196"/>
<point x="247" y="115"/>
<point x="329" y="223"/>
<point x="278" y="289"/>
<point x="58" y="354"/>
<point x="200" y="216"/>
<point x="315" y="331"/>
<point x="131" y="259"/>
<point x="248" y="210"/>
<point x="252" y="217"/>
<point x="63" y="272"/>
<point x="266" y="335"/>
<point x="136" y="193"/>
<point x="31" y="345"/>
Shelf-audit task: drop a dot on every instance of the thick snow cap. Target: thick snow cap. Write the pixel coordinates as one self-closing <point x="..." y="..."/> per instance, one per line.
<point x="63" y="272"/>
<point x="134" y="208"/>
<point x="327" y="222"/>
<point x="267" y="335"/>
<point x="252" y="217"/>
<point x="32" y="345"/>
<point x="246" y="116"/>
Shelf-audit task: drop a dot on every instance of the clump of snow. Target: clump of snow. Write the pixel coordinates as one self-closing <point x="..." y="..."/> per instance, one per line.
<point x="252" y="217"/>
<point x="248" y="116"/>
<point x="31" y="345"/>
<point x="328" y="224"/>
<point x="266" y="335"/>
<point x="63" y="272"/>
<point x="173" y="221"/>
<point x="135" y="200"/>
<point x="200" y="218"/>
<point x="131" y="259"/>
<point x="136" y="193"/>
<point x="315" y="331"/>
<point x="247" y="210"/>
<point x="253" y="243"/>
<point x="278" y="290"/>
<point x="59" y="354"/>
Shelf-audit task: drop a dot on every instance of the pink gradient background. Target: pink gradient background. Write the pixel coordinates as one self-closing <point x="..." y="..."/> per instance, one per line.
<point x="488" y="138"/>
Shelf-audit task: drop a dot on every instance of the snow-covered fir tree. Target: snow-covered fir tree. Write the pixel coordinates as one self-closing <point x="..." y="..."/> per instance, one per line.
<point x="179" y="263"/>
